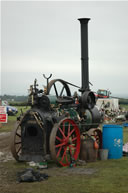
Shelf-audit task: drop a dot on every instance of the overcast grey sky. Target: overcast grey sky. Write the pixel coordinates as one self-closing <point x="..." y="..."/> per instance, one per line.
<point x="44" y="37"/>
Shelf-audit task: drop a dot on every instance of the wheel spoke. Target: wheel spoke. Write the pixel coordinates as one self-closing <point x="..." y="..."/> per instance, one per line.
<point x="61" y="144"/>
<point x="62" y="91"/>
<point x="55" y="90"/>
<point x="64" y="153"/>
<point x="75" y="138"/>
<point x="59" y="139"/>
<point x="18" y="134"/>
<point x="58" y="153"/>
<point x="62" y="132"/>
<point x="71" y="132"/>
<point x="18" y="150"/>
<point x="18" y="142"/>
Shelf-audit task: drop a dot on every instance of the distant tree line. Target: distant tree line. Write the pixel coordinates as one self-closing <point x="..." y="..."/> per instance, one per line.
<point x="22" y="100"/>
<point x="14" y="98"/>
<point x="123" y="101"/>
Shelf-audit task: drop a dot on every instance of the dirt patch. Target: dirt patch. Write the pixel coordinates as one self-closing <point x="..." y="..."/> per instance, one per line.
<point x="5" y="154"/>
<point x="55" y="171"/>
<point x="86" y="171"/>
<point x="9" y="169"/>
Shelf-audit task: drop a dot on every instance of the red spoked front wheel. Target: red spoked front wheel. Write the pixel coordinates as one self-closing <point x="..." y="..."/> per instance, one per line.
<point x="65" y="142"/>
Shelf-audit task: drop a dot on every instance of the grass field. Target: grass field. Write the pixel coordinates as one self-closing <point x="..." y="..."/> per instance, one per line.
<point x="110" y="176"/>
<point x="6" y="127"/>
<point x="124" y="106"/>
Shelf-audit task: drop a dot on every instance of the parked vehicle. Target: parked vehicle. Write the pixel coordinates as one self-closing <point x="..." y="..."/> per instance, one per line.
<point x="101" y="93"/>
<point x="10" y="109"/>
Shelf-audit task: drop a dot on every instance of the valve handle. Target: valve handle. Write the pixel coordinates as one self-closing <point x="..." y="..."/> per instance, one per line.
<point x="47" y="78"/>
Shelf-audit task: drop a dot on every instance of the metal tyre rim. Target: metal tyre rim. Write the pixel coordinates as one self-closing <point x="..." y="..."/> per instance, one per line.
<point x="16" y="142"/>
<point x="65" y="142"/>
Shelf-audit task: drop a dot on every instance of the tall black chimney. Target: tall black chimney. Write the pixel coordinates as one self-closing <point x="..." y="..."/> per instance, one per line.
<point x="84" y="54"/>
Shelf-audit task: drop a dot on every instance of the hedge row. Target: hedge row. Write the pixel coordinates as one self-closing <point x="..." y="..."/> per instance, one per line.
<point x="24" y="103"/>
<point x="123" y="101"/>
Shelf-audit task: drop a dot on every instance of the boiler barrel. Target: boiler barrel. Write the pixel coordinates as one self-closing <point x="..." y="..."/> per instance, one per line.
<point x="52" y="99"/>
<point x="113" y="140"/>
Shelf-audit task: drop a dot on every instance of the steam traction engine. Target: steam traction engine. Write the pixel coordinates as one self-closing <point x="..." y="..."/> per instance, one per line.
<point x="54" y="123"/>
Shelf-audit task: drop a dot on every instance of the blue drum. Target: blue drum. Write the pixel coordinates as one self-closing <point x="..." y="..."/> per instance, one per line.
<point x="113" y="140"/>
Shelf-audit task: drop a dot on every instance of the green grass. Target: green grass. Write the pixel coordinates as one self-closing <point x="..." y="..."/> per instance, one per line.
<point x="6" y="127"/>
<point x="124" y="106"/>
<point x="20" y="110"/>
<point x="109" y="177"/>
<point x="125" y="134"/>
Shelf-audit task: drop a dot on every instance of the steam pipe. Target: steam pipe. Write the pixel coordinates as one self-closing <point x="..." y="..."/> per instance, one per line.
<point x="84" y="55"/>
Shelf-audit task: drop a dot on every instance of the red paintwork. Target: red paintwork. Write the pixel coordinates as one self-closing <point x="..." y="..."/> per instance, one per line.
<point x="65" y="148"/>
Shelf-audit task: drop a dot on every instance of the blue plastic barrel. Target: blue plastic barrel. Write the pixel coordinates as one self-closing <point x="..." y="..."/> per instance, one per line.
<point x="113" y="140"/>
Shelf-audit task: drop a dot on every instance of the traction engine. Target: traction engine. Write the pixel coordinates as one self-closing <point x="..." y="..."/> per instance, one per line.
<point x="55" y="122"/>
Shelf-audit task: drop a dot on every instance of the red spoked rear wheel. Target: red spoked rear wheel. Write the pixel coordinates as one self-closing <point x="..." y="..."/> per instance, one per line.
<point x="65" y="142"/>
